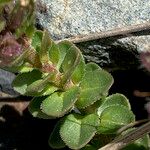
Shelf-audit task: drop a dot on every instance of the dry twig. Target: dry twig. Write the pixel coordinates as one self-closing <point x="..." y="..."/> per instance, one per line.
<point x="121" y="142"/>
<point x="124" y="31"/>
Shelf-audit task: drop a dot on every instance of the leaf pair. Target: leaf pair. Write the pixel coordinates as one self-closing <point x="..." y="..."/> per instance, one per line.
<point x="115" y="112"/>
<point x="33" y="84"/>
<point x="75" y="130"/>
<point x="94" y="85"/>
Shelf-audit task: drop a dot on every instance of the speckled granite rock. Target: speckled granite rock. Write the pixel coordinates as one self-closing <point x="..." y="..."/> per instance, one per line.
<point x="65" y="18"/>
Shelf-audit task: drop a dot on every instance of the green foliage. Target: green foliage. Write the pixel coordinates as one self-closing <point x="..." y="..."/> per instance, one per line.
<point x="23" y="80"/>
<point x="59" y="103"/>
<point x="94" y="85"/>
<point x="113" y="118"/>
<point x="61" y="83"/>
<point x="76" y="130"/>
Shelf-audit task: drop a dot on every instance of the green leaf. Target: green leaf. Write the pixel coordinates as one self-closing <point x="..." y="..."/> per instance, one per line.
<point x="30" y="30"/>
<point x="92" y="67"/>
<point x="42" y="86"/>
<point x="114" y="100"/>
<point x="49" y="51"/>
<point x="71" y="61"/>
<point x="59" y="103"/>
<point x="63" y="47"/>
<point x="114" y="117"/>
<point x="55" y="140"/>
<point x="2" y="25"/>
<point x="72" y="56"/>
<point x="76" y="130"/>
<point x="78" y="72"/>
<point x="43" y="52"/>
<point x="94" y="85"/>
<point x="34" y="108"/>
<point x="54" y="53"/>
<point x="23" y="80"/>
<point x="49" y="89"/>
<point x="37" y="40"/>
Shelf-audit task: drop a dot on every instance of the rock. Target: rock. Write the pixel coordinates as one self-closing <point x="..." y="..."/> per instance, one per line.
<point x="6" y="89"/>
<point x="66" y="18"/>
<point x="111" y="55"/>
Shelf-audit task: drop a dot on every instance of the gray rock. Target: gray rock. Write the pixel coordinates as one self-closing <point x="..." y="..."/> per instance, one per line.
<point x="66" y="18"/>
<point x="6" y="79"/>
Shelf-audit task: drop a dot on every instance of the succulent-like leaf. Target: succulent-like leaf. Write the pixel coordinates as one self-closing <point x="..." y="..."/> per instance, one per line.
<point x="71" y="60"/>
<point x="92" y="67"/>
<point x="63" y="47"/>
<point x="34" y="108"/>
<point x="71" y="57"/>
<point x="43" y="53"/>
<point x="67" y="51"/>
<point x="78" y="72"/>
<point x="55" y="140"/>
<point x="54" y="54"/>
<point x="22" y="81"/>
<point x="41" y="87"/>
<point x="37" y="40"/>
<point x="2" y="25"/>
<point x="76" y="130"/>
<point x="114" y="117"/>
<point x="93" y="86"/>
<point x="30" y="30"/>
<point x="113" y="100"/>
<point x="59" y="103"/>
<point x="49" y="51"/>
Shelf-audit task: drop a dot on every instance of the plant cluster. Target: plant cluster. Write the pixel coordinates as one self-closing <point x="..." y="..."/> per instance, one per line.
<point x="61" y="83"/>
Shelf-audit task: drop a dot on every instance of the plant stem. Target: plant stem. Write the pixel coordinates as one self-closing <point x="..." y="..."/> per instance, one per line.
<point x="123" y="31"/>
<point x="131" y="125"/>
<point x="121" y="142"/>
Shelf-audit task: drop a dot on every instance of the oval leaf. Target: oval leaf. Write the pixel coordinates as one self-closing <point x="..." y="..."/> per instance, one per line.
<point x="92" y="67"/>
<point x="72" y="53"/>
<point x="94" y="85"/>
<point x="23" y="80"/>
<point x="34" y="108"/>
<point x="114" y="117"/>
<point x="60" y="103"/>
<point x="63" y="49"/>
<point x="76" y="130"/>
<point x="40" y="88"/>
<point x="37" y="40"/>
<point x="71" y="60"/>
<point x="49" y="51"/>
<point x="115" y="99"/>
<point x="78" y="72"/>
